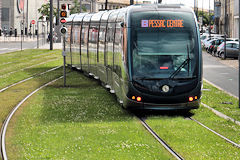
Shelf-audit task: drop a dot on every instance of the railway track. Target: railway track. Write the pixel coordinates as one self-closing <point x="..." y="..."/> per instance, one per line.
<point x="27" y="68"/>
<point x="168" y="147"/>
<point x="7" y="120"/>
<point x="19" y="82"/>
<point x="160" y="140"/>
<point x="218" y="134"/>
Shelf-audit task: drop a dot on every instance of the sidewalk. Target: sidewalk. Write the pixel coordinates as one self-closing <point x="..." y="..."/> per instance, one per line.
<point x="17" y="39"/>
<point x="55" y="46"/>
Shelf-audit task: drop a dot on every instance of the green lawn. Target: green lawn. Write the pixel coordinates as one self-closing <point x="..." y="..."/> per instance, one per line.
<point x="219" y="100"/>
<point x="82" y="121"/>
<point x="20" y="65"/>
<point x="191" y="140"/>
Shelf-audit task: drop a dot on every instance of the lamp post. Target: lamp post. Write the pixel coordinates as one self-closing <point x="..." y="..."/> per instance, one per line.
<point x="209" y="29"/>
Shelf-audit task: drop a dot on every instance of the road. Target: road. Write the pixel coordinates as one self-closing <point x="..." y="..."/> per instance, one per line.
<point x="221" y="75"/>
<point x="10" y="46"/>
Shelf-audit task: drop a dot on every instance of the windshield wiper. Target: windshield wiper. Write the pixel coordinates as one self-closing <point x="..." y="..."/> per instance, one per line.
<point x="182" y="65"/>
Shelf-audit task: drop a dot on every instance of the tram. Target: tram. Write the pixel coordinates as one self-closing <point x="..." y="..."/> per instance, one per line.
<point x="148" y="55"/>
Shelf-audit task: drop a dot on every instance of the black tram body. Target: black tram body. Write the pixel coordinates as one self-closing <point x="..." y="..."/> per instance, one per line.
<point x="148" y="55"/>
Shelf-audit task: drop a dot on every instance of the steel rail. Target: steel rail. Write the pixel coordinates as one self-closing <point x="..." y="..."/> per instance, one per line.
<point x="161" y="141"/>
<point x="218" y="134"/>
<point x="3" y="89"/>
<point x="7" y="120"/>
<point x="27" y="67"/>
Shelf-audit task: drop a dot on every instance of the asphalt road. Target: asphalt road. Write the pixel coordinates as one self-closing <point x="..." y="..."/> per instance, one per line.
<point x="6" y="46"/>
<point x="223" y="76"/>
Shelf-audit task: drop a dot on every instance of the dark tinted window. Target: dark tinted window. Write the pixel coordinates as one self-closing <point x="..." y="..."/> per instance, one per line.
<point x="161" y="42"/>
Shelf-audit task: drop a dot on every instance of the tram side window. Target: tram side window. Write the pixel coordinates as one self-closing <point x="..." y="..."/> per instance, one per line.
<point x="102" y="43"/>
<point x="109" y="45"/>
<point x="117" y="50"/>
<point x="93" y="37"/>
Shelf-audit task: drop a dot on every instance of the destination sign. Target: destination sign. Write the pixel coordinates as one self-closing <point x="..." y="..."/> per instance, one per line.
<point x="162" y="23"/>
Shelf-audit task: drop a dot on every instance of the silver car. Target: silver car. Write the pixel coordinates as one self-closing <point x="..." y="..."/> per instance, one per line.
<point x="232" y="50"/>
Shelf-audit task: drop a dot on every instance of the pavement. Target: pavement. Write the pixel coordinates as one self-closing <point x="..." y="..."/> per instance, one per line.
<point x="17" y="39"/>
<point x="55" y="46"/>
<point x="222" y="73"/>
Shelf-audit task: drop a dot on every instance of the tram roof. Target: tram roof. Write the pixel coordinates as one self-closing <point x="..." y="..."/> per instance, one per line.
<point x="131" y="9"/>
<point x="159" y="7"/>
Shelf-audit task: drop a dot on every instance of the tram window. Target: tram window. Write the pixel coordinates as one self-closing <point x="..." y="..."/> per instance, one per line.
<point x="161" y="42"/>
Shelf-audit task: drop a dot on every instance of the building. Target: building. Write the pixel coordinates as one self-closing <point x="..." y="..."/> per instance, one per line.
<point x="21" y="14"/>
<point x="236" y="19"/>
<point x="230" y="27"/>
<point x="18" y="14"/>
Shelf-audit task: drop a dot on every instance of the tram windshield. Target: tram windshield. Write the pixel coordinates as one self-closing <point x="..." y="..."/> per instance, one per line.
<point x="163" y="45"/>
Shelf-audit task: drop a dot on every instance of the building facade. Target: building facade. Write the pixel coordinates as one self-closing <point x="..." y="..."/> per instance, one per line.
<point x="236" y="19"/>
<point x="230" y="9"/>
<point x="20" y="14"/>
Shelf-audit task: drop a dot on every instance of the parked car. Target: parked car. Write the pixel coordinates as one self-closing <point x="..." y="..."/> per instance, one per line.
<point x="209" y="43"/>
<point x="232" y="50"/>
<point x="213" y="47"/>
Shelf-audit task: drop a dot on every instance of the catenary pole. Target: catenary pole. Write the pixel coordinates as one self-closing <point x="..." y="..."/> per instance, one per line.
<point x="51" y="25"/>
<point x="58" y="10"/>
<point x="239" y="54"/>
<point x="80" y="6"/>
<point x="131" y="2"/>
<point x="225" y="27"/>
<point x="106" y="4"/>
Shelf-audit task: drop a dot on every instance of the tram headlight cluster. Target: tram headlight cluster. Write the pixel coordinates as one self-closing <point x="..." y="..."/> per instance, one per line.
<point x="192" y="98"/>
<point x="139" y="99"/>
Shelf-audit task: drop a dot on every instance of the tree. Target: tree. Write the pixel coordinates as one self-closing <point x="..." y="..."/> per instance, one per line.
<point x="76" y="7"/>
<point x="44" y="10"/>
<point x="205" y="16"/>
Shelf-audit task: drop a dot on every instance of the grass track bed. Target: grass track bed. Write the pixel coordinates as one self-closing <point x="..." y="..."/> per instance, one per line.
<point x="12" y="96"/>
<point x="215" y="98"/>
<point x="82" y="121"/>
<point x="26" y="64"/>
<point x="191" y="140"/>
<point x="23" y="56"/>
<point x="44" y="64"/>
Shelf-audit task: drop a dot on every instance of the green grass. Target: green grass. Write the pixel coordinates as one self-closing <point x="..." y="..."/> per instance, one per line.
<point x="82" y="121"/>
<point x="26" y="64"/>
<point x="24" y="60"/>
<point x="192" y="141"/>
<point x="12" y="96"/>
<point x="215" y="98"/>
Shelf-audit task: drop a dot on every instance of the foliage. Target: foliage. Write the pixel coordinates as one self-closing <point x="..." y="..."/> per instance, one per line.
<point x="206" y="17"/>
<point x="44" y="10"/>
<point x="76" y="7"/>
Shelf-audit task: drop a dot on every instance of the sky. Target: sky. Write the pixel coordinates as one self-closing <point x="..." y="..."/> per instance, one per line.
<point x="190" y="3"/>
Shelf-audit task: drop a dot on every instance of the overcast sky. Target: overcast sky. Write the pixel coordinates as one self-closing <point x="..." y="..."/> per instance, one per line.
<point x="190" y="3"/>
